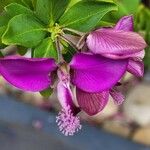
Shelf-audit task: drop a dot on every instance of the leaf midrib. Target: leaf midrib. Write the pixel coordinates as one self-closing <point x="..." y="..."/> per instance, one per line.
<point x="73" y="22"/>
<point x="47" y="49"/>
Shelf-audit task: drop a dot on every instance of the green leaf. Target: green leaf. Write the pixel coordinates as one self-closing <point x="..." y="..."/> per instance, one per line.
<point x="34" y="4"/>
<point x="14" y="9"/>
<point x="1" y="55"/>
<point x="125" y="7"/>
<point x="4" y="3"/>
<point x="147" y="57"/>
<point x="22" y="50"/>
<point x="46" y="93"/>
<point x="105" y="24"/>
<point x="49" y="11"/>
<point x="24" y="30"/>
<point x="69" y="53"/>
<point x="72" y="2"/>
<point x="28" y="3"/>
<point x="130" y="7"/>
<point x="46" y="49"/>
<point x="85" y="15"/>
<point x="147" y="36"/>
<point x="4" y="18"/>
<point x="2" y="30"/>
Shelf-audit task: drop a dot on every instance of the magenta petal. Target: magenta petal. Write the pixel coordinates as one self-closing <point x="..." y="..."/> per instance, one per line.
<point x="117" y="42"/>
<point x="92" y="103"/>
<point x="136" y="67"/>
<point x="95" y="73"/>
<point x="125" y="23"/>
<point x="65" y="97"/>
<point x="67" y="120"/>
<point x="117" y="96"/>
<point x="27" y="74"/>
<point x="139" y="55"/>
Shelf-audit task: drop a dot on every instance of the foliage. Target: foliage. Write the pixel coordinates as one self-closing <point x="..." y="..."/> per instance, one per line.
<point x="38" y="25"/>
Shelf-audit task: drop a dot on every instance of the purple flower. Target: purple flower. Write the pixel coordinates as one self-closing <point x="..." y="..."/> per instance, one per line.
<point x="92" y="75"/>
<point x="119" y="42"/>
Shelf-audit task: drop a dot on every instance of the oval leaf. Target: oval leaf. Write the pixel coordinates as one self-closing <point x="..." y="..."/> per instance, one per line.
<point x="28" y="3"/>
<point x="46" y="49"/>
<point x="2" y="30"/>
<point x="14" y="9"/>
<point x="85" y="15"/>
<point x="24" y="30"/>
<point x="4" y="18"/>
<point x="4" y="3"/>
<point x="50" y="11"/>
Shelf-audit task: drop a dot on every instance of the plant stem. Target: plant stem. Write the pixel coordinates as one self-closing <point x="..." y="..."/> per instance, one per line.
<point x="81" y="42"/>
<point x="74" y="31"/>
<point x="69" y="42"/>
<point x="60" y="57"/>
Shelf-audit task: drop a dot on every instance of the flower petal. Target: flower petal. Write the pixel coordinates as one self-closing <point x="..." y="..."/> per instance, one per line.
<point x="65" y="97"/>
<point x="64" y="94"/>
<point x="92" y="103"/>
<point x="95" y="73"/>
<point x="67" y="120"/>
<point x="27" y="74"/>
<point x="136" y="67"/>
<point x="117" y="42"/>
<point x="125" y="23"/>
<point x="117" y="96"/>
<point x="139" y="55"/>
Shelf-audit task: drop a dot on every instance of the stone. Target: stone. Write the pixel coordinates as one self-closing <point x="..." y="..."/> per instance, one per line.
<point x="117" y="127"/>
<point x="137" y="104"/>
<point x="142" y="136"/>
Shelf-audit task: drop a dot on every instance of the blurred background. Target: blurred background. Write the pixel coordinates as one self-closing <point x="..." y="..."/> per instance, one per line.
<point x="27" y="120"/>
